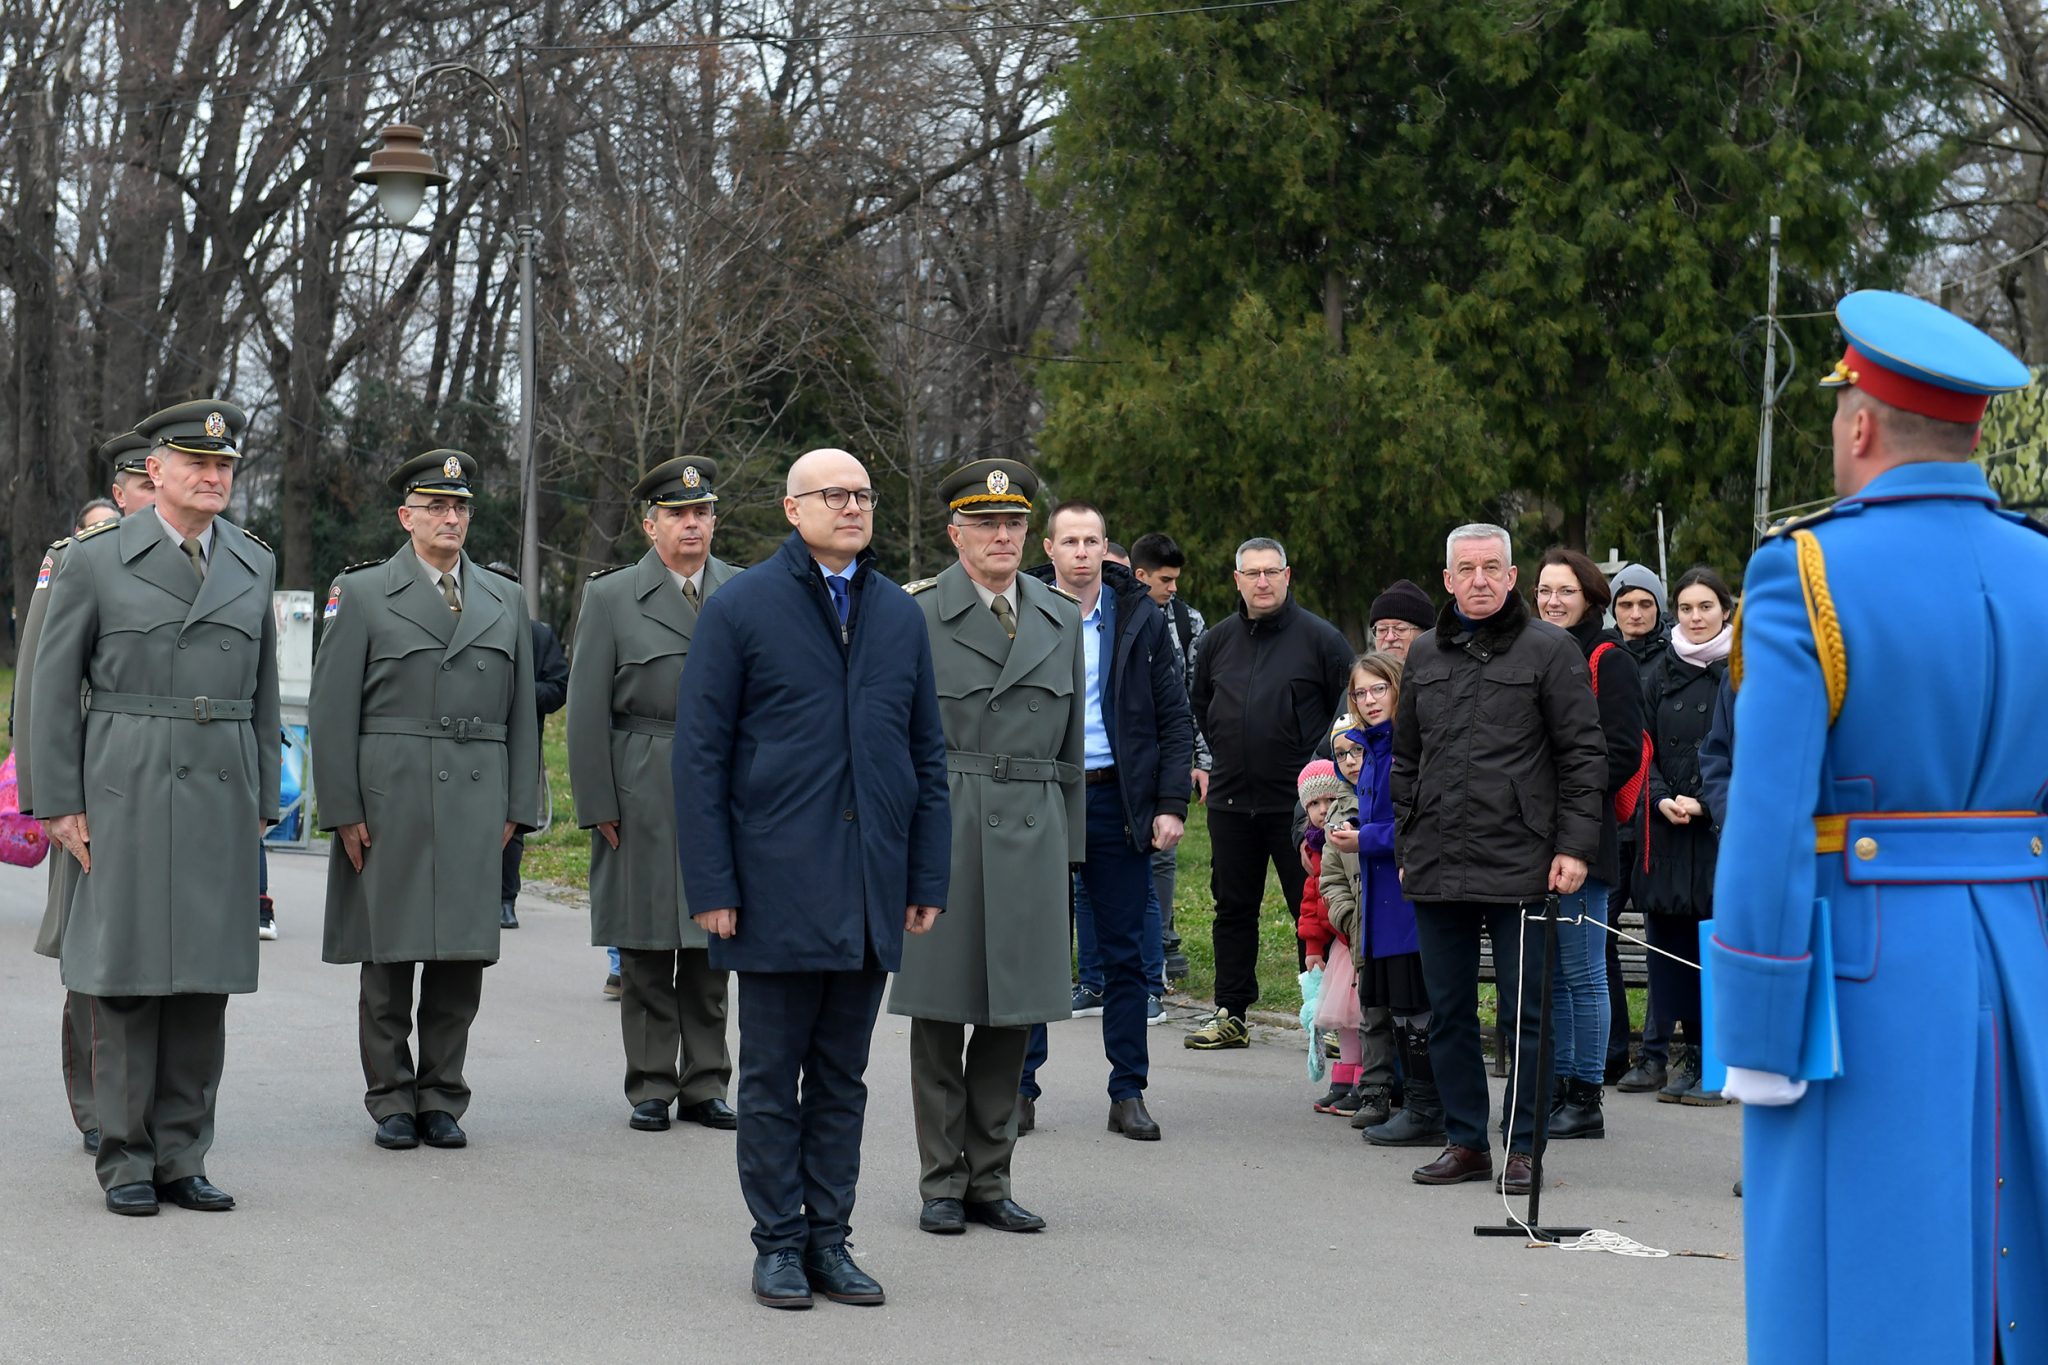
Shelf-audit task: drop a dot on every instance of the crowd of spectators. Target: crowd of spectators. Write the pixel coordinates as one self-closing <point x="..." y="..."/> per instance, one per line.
<point x="1420" y="802"/>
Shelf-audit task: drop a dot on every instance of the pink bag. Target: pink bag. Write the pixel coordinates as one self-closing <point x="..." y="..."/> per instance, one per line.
<point x="23" y="840"/>
<point x="1337" y="1002"/>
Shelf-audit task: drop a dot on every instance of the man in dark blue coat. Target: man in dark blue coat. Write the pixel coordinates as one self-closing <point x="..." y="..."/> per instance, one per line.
<point x="813" y="827"/>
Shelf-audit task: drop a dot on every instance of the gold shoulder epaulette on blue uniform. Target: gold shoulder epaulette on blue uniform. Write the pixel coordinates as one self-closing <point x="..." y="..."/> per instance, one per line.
<point x="600" y="573"/>
<point x="1820" y="609"/>
<point x="89" y="532"/>
<point x="921" y="585"/>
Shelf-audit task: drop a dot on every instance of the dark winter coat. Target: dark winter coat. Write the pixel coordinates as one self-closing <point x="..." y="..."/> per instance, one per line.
<point x="1264" y="693"/>
<point x="1621" y="723"/>
<point x="1499" y="763"/>
<point x="1679" y="874"/>
<point x="1151" y="730"/>
<point x="810" y="768"/>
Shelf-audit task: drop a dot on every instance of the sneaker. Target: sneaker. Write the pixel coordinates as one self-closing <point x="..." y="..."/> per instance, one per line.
<point x="1220" y="1032"/>
<point x="611" y="986"/>
<point x="1348" y="1104"/>
<point x="1155" y="1012"/>
<point x="1337" y="1095"/>
<point x="1087" y="1003"/>
<point x="266" y="918"/>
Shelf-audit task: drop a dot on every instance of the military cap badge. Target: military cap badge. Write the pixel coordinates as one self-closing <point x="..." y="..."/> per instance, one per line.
<point x="216" y="425"/>
<point x="691" y="478"/>
<point x="998" y="481"/>
<point x="452" y="467"/>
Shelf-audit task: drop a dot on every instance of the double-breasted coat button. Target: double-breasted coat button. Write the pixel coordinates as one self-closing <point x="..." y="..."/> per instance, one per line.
<point x="183" y="643"/>
<point x="225" y="645"/>
<point x="1030" y="820"/>
<point x="1034" y="706"/>
<point x="223" y="774"/>
<point x="446" y="667"/>
<point x="479" y="665"/>
<point x="182" y="772"/>
<point x="995" y="820"/>
<point x="475" y="775"/>
<point x="444" y="775"/>
<point x="995" y="706"/>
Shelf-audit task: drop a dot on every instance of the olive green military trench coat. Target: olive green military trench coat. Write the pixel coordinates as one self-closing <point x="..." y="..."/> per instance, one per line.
<point x="394" y="664"/>
<point x="631" y="640"/>
<point x="63" y="867"/>
<point x="999" y="955"/>
<point x="175" y="807"/>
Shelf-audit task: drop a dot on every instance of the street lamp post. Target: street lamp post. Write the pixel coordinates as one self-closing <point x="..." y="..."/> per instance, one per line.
<point x="401" y="169"/>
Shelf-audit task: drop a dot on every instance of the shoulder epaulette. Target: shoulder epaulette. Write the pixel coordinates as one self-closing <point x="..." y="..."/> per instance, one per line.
<point x="1791" y="524"/>
<point x="600" y="573"/>
<point x="358" y="568"/>
<point x="1064" y="593"/>
<point x="253" y="536"/>
<point x="60" y="544"/>
<point x="921" y="585"/>
<point x="89" y="532"/>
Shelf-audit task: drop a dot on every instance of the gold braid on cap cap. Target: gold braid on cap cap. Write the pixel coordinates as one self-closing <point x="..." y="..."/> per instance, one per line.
<point x="1016" y="500"/>
<point x="225" y="447"/>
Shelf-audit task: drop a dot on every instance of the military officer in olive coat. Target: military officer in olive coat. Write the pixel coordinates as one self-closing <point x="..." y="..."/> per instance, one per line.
<point x="132" y="492"/>
<point x="427" y="749"/>
<point x="631" y="640"/>
<point x="1011" y="675"/>
<point x="161" y="789"/>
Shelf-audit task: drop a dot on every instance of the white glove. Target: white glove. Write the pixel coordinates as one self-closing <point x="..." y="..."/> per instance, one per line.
<point x="1762" y="1087"/>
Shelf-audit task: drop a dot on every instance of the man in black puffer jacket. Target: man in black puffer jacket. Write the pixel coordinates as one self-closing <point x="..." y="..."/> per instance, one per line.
<point x="1499" y="770"/>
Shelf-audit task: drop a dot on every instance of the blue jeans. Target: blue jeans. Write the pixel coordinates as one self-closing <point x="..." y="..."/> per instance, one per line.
<point x="1580" y="1011"/>
<point x="1153" y="946"/>
<point x="1119" y="877"/>
<point x="613" y="953"/>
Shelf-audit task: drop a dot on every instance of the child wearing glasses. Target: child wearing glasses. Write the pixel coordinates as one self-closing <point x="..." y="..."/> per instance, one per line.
<point x="1363" y="887"/>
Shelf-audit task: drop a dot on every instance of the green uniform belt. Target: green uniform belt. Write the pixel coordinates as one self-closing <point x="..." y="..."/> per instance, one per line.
<point x="461" y="729"/>
<point x="198" y="709"/>
<point x="643" y="725"/>
<point x="1004" y="768"/>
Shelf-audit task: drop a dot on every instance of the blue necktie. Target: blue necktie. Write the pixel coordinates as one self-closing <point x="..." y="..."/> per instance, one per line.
<point x="838" y="586"/>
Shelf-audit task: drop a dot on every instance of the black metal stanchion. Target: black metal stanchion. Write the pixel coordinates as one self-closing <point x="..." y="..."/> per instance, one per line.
<point x="1546" y="1062"/>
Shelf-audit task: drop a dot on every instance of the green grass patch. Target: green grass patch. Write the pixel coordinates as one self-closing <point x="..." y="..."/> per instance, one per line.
<point x="562" y="855"/>
<point x="1194" y="915"/>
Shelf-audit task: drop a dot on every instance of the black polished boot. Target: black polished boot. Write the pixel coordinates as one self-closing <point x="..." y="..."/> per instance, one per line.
<point x="1580" y="1115"/>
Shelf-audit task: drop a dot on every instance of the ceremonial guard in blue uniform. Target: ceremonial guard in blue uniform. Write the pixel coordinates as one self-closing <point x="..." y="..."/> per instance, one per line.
<point x="1878" y="1232"/>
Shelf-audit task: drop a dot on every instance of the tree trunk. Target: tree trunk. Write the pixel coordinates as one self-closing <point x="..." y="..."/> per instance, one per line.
<point x="38" y="517"/>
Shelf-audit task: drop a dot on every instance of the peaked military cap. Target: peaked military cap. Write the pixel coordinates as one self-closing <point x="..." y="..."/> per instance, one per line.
<point x="1909" y="353"/>
<point x="682" y="482"/>
<point x="129" y="451"/>
<point x="987" y="486"/>
<point x="204" y="426"/>
<point x="447" y="472"/>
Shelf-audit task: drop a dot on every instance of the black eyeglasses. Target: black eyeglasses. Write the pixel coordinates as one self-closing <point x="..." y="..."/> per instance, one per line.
<point x="835" y="498"/>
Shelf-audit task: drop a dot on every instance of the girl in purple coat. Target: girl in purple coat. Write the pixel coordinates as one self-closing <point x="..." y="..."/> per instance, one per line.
<point x="1389" y="965"/>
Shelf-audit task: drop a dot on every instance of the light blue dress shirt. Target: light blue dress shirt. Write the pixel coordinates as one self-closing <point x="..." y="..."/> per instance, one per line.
<point x="1097" y="628"/>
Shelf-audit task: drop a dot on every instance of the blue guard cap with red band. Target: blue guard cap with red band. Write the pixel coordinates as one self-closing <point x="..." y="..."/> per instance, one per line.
<point x="1908" y="353"/>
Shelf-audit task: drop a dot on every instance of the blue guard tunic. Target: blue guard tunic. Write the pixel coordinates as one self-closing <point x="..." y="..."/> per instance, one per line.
<point x="1899" y="1212"/>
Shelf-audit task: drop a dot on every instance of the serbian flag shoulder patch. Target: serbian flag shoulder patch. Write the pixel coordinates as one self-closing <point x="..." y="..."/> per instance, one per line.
<point x="333" y="605"/>
<point x="43" y="574"/>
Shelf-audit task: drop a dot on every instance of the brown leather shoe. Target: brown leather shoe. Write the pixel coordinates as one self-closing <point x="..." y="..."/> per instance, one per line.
<point x="1514" y="1179"/>
<point x="1455" y="1167"/>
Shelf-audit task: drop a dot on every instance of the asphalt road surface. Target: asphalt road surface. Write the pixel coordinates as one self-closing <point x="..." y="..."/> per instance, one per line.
<point x="1256" y="1230"/>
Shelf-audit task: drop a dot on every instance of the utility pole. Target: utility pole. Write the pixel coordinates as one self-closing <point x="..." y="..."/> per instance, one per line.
<point x="529" y="473"/>
<point x="1763" y="445"/>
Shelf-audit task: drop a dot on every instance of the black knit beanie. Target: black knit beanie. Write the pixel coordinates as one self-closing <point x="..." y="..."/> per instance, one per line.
<point x="1403" y="602"/>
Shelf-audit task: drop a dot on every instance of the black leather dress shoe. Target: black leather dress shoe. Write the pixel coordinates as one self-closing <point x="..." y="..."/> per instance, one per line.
<point x="136" y="1201"/>
<point x="710" y="1113"/>
<point x="1129" y="1118"/>
<point x="1003" y="1215"/>
<point x="780" y="1282"/>
<point x="832" y="1273"/>
<point x="943" y="1216"/>
<point x="650" y="1116"/>
<point x="1027" y="1115"/>
<point x="398" y="1133"/>
<point x="506" y="919"/>
<point x="198" y="1193"/>
<point x="438" y="1128"/>
<point x="92" y="1142"/>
